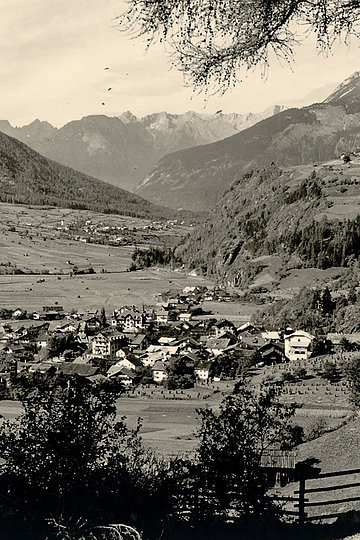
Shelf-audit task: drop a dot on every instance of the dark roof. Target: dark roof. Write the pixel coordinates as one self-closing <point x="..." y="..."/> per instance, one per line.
<point x="137" y="340"/>
<point x="159" y="366"/>
<point x="224" y="322"/>
<point x="127" y="372"/>
<point x="271" y="346"/>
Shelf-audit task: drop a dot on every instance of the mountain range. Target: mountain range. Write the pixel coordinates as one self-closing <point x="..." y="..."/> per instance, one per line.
<point x="27" y="177"/>
<point x="197" y="178"/>
<point x="123" y="150"/>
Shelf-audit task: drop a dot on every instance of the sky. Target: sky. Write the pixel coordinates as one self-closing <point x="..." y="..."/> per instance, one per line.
<point x="54" y="54"/>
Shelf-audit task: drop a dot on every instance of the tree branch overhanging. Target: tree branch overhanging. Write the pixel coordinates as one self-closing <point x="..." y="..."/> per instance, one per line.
<point x="215" y="40"/>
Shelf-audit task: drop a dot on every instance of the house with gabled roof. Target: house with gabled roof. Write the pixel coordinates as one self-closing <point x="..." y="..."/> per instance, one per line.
<point x="202" y="371"/>
<point x="159" y="372"/>
<point x="217" y="346"/>
<point x="298" y="345"/>
<point x="222" y="326"/>
<point x="161" y="315"/>
<point x="130" y="362"/>
<point x="126" y="376"/>
<point x="272" y="353"/>
<point x="107" y="343"/>
<point x="42" y="339"/>
<point x="248" y="327"/>
<point x="149" y="359"/>
<point x="271" y="336"/>
<point x="129" y="319"/>
<point x="139" y="342"/>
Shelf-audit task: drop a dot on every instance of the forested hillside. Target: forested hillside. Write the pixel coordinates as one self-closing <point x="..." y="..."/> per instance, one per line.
<point x="308" y="216"/>
<point x="28" y="177"/>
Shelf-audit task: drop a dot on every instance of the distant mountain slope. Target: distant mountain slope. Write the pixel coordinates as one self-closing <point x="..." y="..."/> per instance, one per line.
<point x="28" y="177"/>
<point x="123" y="150"/>
<point x="347" y="94"/>
<point x="196" y="178"/>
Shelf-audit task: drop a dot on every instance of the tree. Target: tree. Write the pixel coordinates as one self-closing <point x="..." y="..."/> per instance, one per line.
<point x="66" y="457"/>
<point x="353" y="377"/>
<point x="327" y="304"/>
<point x="102" y="317"/>
<point x="59" y="343"/>
<point x="225" y="480"/>
<point x="212" y="40"/>
<point x="330" y="372"/>
<point x="180" y="374"/>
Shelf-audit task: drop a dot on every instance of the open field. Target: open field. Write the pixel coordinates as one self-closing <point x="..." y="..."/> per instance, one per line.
<point x="110" y="290"/>
<point x="47" y="239"/>
<point x="169" y="419"/>
<point x="238" y="312"/>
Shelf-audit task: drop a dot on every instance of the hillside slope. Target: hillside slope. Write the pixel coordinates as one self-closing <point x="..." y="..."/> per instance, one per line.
<point x="305" y="216"/>
<point x="28" y="177"/>
<point x="197" y="178"/>
<point x="122" y="150"/>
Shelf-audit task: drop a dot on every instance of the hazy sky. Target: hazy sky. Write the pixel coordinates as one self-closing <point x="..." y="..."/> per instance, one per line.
<point x="53" y="55"/>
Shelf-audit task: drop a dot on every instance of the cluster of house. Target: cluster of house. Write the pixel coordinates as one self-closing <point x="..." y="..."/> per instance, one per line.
<point x="135" y="341"/>
<point x="135" y="338"/>
<point x="109" y="233"/>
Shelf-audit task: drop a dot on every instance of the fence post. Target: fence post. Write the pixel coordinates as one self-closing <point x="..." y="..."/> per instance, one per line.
<point x="302" y="499"/>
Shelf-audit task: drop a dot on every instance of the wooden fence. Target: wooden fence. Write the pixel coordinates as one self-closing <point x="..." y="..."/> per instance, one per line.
<point x="304" y="503"/>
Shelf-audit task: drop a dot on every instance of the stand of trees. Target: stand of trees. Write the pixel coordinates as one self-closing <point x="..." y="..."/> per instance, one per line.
<point x="69" y="465"/>
<point x="145" y="258"/>
<point x="325" y="244"/>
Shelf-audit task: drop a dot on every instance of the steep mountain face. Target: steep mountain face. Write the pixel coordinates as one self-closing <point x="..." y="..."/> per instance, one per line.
<point x="347" y="94"/>
<point x="123" y="150"/>
<point x="271" y="220"/>
<point x="28" y="177"/>
<point x="196" y="178"/>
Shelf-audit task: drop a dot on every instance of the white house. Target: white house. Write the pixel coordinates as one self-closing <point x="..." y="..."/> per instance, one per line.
<point x="107" y="343"/>
<point x="202" y="372"/>
<point x="159" y="371"/>
<point x="297" y="345"/>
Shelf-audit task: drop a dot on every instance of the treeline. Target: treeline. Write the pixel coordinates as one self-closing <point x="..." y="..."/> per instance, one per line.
<point x="314" y="310"/>
<point x="154" y="256"/>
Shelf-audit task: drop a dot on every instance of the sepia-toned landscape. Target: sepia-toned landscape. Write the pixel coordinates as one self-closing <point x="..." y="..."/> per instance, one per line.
<point x="179" y="270"/>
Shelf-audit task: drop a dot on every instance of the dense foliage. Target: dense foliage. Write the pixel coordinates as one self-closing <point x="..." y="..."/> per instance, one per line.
<point x="67" y="457"/>
<point x="68" y="461"/>
<point x="225" y="482"/>
<point x="311" y="310"/>
<point x="324" y="244"/>
<point x="153" y="256"/>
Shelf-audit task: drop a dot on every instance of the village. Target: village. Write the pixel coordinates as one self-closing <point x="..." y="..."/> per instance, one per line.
<point x="173" y="344"/>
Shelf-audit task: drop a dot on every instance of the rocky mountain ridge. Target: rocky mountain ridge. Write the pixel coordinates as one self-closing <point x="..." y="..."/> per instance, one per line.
<point x="123" y="150"/>
<point x="197" y="178"/>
